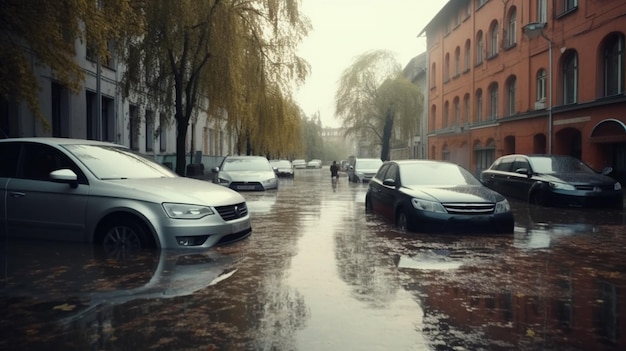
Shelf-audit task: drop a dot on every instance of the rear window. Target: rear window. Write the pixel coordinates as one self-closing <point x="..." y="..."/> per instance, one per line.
<point x="9" y="154"/>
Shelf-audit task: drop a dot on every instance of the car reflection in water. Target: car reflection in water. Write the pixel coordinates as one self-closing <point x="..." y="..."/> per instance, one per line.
<point x="76" y="283"/>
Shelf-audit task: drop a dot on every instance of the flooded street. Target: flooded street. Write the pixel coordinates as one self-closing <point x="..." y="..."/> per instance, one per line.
<point x="317" y="273"/>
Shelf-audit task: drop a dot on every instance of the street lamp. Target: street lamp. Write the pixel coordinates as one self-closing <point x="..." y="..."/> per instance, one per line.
<point x="533" y="30"/>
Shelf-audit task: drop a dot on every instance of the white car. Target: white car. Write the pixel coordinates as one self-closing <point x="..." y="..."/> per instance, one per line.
<point x="314" y="164"/>
<point x="101" y="193"/>
<point x="246" y="173"/>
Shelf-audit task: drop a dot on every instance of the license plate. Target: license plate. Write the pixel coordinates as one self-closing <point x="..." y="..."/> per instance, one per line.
<point x="241" y="226"/>
<point x="245" y="187"/>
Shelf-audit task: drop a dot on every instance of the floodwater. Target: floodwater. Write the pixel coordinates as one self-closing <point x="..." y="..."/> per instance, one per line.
<point x="317" y="273"/>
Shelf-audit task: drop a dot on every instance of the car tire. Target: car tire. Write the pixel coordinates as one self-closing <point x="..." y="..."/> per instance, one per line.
<point x="537" y="198"/>
<point x="402" y="221"/>
<point x="368" y="206"/>
<point x="124" y="236"/>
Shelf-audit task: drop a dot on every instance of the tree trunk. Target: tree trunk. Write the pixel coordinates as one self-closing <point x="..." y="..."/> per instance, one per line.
<point x="181" y="138"/>
<point x="384" y="152"/>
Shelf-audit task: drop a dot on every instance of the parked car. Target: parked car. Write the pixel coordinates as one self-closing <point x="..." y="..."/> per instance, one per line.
<point x="361" y="170"/>
<point x="101" y="193"/>
<point x="315" y="163"/>
<point x="435" y="196"/>
<point x="282" y="168"/>
<point x="552" y="180"/>
<point x="246" y="173"/>
<point x="299" y="163"/>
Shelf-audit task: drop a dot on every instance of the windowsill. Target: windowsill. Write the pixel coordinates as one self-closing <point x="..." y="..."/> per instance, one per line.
<point x="491" y="57"/>
<point x="510" y="46"/>
<point x="478" y="64"/>
<point x="446" y="81"/>
<point x="567" y="12"/>
<point x="466" y="71"/>
<point x="456" y="76"/>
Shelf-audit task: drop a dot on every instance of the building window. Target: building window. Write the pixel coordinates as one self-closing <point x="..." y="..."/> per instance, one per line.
<point x="614" y="65"/>
<point x="570" y="79"/>
<point x="493" y="40"/>
<point x="457" y="111"/>
<point x="133" y="127"/>
<point x="480" y="3"/>
<point x="512" y="30"/>
<point x="541" y="85"/>
<point x="479" y="105"/>
<point x="542" y="11"/>
<point x="479" y="47"/>
<point x="446" y="69"/>
<point x="466" y="101"/>
<point x="149" y="130"/>
<point x="485" y="155"/>
<point x="457" y="61"/>
<point x="162" y="132"/>
<point x="511" y="95"/>
<point x="493" y="101"/>
<point x="468" y="53"/>
<point x="433" y="118"/>
<point x="433" y="76"/>
<point x="446" y="114"/>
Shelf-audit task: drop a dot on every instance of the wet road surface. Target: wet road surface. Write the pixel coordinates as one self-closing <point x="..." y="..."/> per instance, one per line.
<point x="317" y="273"/>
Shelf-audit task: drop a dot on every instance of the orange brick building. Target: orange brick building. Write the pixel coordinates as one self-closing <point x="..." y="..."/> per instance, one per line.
<point x="493" y="89"/>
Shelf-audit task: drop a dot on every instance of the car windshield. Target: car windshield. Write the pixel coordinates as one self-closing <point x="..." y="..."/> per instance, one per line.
<point x="110" y="162"/>
<point x="559" y="164"/>
<point x="435" y="174"/>
<point x="369" y="164"/>
<point x="246" y="164"/>
<point x="281" y="164"/>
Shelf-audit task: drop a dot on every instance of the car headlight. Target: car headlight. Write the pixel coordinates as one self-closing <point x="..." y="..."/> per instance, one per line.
<point x="184" y="211"/>
<point x="269" y="181"/>
<point x="561" y="186"/>
<point x="617" y="186"/>
<point x="430" y="206"/>
<point x="502" y="206"/>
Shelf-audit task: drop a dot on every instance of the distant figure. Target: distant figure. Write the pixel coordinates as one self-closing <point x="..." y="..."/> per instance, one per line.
<point x="334" y="174"/>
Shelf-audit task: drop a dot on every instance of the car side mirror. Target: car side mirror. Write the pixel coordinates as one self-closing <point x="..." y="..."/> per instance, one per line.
<point x="522" y="171"/>
<point x="389" y="182"/>
<point x="215" y="169"/>
<point x="607" y="170"/>
<point x="65" y="175"/>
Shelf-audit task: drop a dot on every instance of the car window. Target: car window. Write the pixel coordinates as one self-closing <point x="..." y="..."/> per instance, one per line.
<point x="520" y="163"/>
<point x="9" y="155"/>
<point x="37" y="161"/>
<point x="559" y="164"/>
<point x="436" y="174"/>
<point x="368" y="164"/>
<point x="381" y="172"/>
<point x="505" y="165"/>
<point x="392" y="172"/>
<point x="110" y="162"/>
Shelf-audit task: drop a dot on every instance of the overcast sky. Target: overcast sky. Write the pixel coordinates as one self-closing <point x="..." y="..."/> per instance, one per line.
<point x="345" y="29"/>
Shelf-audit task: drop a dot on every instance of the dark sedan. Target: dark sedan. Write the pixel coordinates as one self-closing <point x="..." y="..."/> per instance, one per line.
<point x="552" y="180"/>
<point x="434" y="196"/>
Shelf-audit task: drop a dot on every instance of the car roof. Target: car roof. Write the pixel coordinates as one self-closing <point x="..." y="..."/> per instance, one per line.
<point x="405" y="162"/>
<point x="60" y="141"/>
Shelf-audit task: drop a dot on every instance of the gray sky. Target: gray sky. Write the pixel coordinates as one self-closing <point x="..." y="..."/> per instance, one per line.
<point x="345" y="29"/>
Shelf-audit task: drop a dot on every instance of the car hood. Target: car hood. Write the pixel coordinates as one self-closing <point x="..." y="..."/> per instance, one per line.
<point x="578" y="178"/>
<point x="366" y="170"/>
<point x="246" y="176"/>
<point x="469" y="193"/>
<point x="176" y="189"/>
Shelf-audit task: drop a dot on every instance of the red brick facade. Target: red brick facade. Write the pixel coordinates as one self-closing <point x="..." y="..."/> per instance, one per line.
<point x="489" y="84"/>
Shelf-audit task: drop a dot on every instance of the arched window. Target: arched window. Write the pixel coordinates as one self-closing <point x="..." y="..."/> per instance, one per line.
<point x="433" y="118"/>
<point x="457" y="111"/>
<point x="479" y="106"/>
<point x="510" y="90"/>
<point x="479" y="47"/>
<point x="433" y="76"/>
<point x="468" y="57"/>
<point x="446" y="69"/>
<point x="570" y="78"/>
<point x="446" y="114"/>
<point x="493" y="39"/>
<point x="457" y="61"/>
<point x="542" y="77"/>
<point x="512" y="28"/>
<point x="466" y="103"/>
<point x="614" y="65"/>
<point x="493" y="101"/>
<point x="542" y="11"/>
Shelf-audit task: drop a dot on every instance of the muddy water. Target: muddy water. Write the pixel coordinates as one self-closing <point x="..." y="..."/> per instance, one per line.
<point x="319" y="274"/>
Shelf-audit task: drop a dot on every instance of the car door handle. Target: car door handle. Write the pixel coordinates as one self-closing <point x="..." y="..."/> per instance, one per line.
<point x="17" y="194"/>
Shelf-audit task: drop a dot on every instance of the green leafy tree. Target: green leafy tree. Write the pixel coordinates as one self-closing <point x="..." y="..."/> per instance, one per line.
<point x="49" y="30"/>
<point x="234" y="59"/>
<point x="376" y="102"/>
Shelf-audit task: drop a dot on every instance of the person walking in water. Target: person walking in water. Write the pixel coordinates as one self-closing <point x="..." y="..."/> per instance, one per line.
<point x="334" y="174"/>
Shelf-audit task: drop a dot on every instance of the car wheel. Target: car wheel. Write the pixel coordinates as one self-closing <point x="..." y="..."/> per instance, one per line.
<point x="537" y="198"/>
<point x="368" y="206"/>
<point x="123" y="237"/>
<point x="402" y="221"/>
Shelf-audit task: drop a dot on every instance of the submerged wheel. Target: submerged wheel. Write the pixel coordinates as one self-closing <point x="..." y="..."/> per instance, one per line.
<point x="537" y="198"/>
<point x="368" y="206"/>
<point x="123" y="237"/>
<point x="402" y="221"/>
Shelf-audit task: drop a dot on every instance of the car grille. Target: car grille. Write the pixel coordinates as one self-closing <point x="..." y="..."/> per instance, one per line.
<point x="232" y="212"/>
<point x="469" y="209"/>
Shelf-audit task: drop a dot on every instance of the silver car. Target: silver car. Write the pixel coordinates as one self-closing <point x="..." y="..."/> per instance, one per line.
<point x="98" y="192"/>
<point x="246" y="173"/>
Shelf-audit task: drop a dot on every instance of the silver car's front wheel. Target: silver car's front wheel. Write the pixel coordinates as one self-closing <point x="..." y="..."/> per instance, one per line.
<point x="123" y="238"/>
